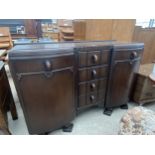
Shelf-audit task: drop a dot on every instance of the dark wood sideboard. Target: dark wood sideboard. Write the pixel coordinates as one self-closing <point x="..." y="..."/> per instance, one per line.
<point x="56" y="81"/>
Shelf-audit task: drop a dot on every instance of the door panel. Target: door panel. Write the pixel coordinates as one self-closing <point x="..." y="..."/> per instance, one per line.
<point x="120" y="82"/>
<point x="48" y="101"/>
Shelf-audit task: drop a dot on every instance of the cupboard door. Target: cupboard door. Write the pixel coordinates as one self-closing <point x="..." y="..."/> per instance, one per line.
<point x="48" y="99"/>
<point x="120" y="82"/>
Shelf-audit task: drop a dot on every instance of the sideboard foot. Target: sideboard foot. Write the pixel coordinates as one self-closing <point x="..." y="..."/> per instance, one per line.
<point x="124" y="106"/>
<point x="108" y="111"/>
<point x="68" y="127"/>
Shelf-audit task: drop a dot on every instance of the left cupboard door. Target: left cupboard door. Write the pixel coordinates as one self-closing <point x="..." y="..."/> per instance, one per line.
<point x="47" y="99"/>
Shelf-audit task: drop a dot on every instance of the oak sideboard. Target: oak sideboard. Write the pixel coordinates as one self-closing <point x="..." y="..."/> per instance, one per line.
<point x="56" y="81"/>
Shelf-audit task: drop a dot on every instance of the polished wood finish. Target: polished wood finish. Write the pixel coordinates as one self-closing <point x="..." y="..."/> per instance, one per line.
<point x="5" y="38"/>
<point x="66" y="33"/>
<point x="30" y="27"/>
<point x="64" y="78"/>
<point x="46" y="111"/>
<point x="99" y="29"/>
<point x="123" y="29"/>
<point x="109" y="29"/>
<point x="147" y="36"/>
<point x="144" y="88"/>
<point x="93" y="63"/>
<point x="125" y="63"/>
<point x="79" y="27"/>
<point x="52" y="35"/>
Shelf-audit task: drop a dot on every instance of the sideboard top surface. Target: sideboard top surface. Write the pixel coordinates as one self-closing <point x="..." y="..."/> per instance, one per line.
<point x="68" y="47"/>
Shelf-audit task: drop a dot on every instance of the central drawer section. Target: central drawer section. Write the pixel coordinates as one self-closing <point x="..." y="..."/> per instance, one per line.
<point x="93" y="64"/>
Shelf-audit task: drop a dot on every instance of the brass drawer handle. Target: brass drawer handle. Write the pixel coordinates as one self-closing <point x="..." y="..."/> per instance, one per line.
<point x="92" y="97"/>
<point x="94" y="58"/>
<point x="48" y="65"/>
<point x="94" y="73"/>
<point x="93" y="86"/>
<point x="133" y="55"/>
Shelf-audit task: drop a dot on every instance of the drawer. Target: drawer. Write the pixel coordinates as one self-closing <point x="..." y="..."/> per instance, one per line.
<point x="4" y="39"/>
<point x="148" y="92"/>
<point x="148" y="95"/>
<point x="88" y="99"/>
<point x="93" y="58"/>
<point x="92" y="87"/>
<point x="88" y="87"/>
<point x="43" y="64"/>
<point x="92" y="98"/>
<point x="92" y="73"/>
<point x="121" y="55"/>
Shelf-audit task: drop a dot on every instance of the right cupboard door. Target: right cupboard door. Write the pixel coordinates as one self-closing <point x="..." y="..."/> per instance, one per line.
<point x="120" y="81"/>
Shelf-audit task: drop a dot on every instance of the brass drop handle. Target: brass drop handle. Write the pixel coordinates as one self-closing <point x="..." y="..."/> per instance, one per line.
<point x="95" y="58"/>
<point x="94" y="73"/>
<point x="92" y="97"/>
<point x="133" y="55"/>
<point x="48" y="65"/>
<point x="93" y="86"/>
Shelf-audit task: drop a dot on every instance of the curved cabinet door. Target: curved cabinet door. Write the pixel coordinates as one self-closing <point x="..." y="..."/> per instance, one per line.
<point x="47" y="99"/>
<point x="120" y="82"/>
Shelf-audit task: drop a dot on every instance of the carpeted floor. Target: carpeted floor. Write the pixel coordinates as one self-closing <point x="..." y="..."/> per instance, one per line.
<point x="90" y="122"/>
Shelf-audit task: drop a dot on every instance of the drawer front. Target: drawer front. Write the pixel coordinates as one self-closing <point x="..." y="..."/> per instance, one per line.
<point x="148" y="91"/>
<point x="86" y="100"/>
<point x="92" y="73"/>
<point x="88" y="87"/>
<point x="93" y="58"/>
<point x="43" y="64"/>
<point x="92" y="87"/>
<point x="124" y="55"/>
<point x="4" y="39"/>
<point x="145" y="89"/>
